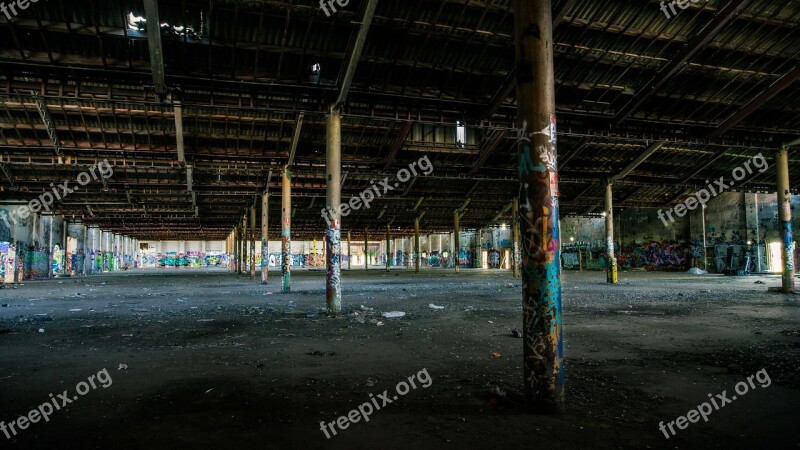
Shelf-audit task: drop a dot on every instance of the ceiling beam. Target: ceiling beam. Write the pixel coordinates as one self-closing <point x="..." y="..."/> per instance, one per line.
<point x="776" y="88"/>
<point x="48" y="123"/>
<point x="154" y="43"/>
<point x="398" y="144"/>
<point x="355" y="54"/>
<point x="720" y="21"/>
<point x="489" y="146"/>
<point x="637" y="161"/>
<point x="298" y="126"/>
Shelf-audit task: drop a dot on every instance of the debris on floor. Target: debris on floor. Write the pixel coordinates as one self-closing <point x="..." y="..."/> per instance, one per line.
<point x="432" y="306"/>
<point x="393" y="314"/>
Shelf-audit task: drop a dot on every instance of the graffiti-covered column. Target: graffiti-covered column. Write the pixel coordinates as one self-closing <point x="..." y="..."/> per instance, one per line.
<point x="236" y="267"/>
<point x="333" y="234"/>
<point x="456" y="240"/>
<point x="286" y="230"/>
<point x="785" y="213"/>
<point x="264" y="237"/>
<point x="611" y="259"/>
<point x="388" y="246"/>
<point x="515" y="238"/>
<point x="416" y="245"/>
<point x="538" y="198"/>
<point x="252" y="242"/>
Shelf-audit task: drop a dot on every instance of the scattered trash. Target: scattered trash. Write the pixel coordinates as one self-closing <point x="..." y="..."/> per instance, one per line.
<point x="268" y="293"/>
<point x="791" y="333"/>
<point x="704" y="290"/>
<point x="696" y="271"/>
<point x="370" y="382"/>
<point x="364" y="308"/>
<point x="205" y="320"/>
<point x="41" y="330"/>
<point x="432" y="306"/>
<point x="393" y="314"/>
<point x="122" y="367"/>
<point x="209" y="390"/>
<point x="490" y="321"/>
<point x="380" y="324"/>
<point x="516" y="333"/>
<point x="495" y="355"/>
<point x="75" y="310"/>
<point x="360" y="319"/>
<point x="759" y="282"/>
<point x="127" y="335"/>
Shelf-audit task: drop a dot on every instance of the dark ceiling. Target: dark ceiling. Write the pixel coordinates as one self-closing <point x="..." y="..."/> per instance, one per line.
<point x="711" y="87"/>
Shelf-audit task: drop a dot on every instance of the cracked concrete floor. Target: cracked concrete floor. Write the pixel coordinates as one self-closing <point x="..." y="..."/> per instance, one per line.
<point x="217" y="361"/>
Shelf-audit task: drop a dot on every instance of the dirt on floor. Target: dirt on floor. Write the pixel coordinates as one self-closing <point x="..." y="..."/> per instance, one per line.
<point x="189" y="358"/>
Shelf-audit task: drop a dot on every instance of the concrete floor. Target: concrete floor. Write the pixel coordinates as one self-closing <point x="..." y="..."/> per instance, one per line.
<point x="216" y="361"/>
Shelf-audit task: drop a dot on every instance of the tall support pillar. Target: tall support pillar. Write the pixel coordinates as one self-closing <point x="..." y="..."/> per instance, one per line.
<point x="388" y="246"/>
<point x="253" y="243"/>
<point x="333" y="234"/>
<point x="366" y="247"/>
<point x="705" y="245"/>
<point x="236" y="267"/>
<point x="538" y="196"/>
<point x="785" y="213"/>
<point x="245" y="239"/>
<point x="64" y="233"/>
<point x="611" y="259"/>
<point x="515" y="238"/>
<point x="286" y="230"/>
<point x="349" y="255"/>
<point x="456" y="241"/>
<point x="416" y="245"/>
<point x="264" y="237"/>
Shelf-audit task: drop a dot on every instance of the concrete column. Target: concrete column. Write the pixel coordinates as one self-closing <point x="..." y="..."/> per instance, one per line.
<point x="541" y="274"/>
<point x="252" y="242"/>
<point x="456" y="240"/>
<point x="333" y="234"/>
<point x="264" y="237"/>
<point x="245" y="224"/>
<point x="366" y="247"/>
<point x="785" y="220"/>
<point x="388" y="246"/>
<point x="416" y="245"/>
<point x="84" y="245"/>
<point x="705" y="245"/>
<point x="286" y="230"/>
<point x="611" y="263"/>
<point x="349" y="254"/>
<point x="237" y="268"/>
<point x="515" y="238"/>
